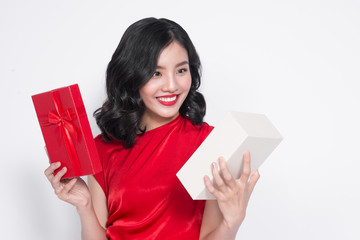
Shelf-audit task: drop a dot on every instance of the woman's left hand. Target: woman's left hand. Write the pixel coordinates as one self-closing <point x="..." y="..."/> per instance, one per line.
<point x="232" y="194"/>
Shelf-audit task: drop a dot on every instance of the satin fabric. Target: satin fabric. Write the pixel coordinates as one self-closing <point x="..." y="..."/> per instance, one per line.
<point x="145" y="198"/>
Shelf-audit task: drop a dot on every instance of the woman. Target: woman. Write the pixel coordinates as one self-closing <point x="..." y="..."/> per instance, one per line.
<point x="151" y="123"/>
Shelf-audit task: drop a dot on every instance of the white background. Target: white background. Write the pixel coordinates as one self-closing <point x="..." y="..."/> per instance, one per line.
<point x="296" y="61"/>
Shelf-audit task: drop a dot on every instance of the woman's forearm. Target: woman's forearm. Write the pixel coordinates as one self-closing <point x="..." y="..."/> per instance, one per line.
<point x="222" y="232"/>
<point x="90" y="226"/>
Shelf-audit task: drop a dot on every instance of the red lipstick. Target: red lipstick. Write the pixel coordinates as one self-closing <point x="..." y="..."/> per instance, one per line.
<point x="168" y="100"/>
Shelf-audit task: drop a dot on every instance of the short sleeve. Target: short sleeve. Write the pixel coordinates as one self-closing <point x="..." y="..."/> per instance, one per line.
<point x="99" y="177"/>
<point x="101" y="148"/>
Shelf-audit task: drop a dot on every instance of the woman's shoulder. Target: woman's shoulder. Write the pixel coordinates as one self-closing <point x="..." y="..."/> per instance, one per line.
<point x="202" y="129"/>
<point x="104" y="146"/>
<point x="107" y="149"/>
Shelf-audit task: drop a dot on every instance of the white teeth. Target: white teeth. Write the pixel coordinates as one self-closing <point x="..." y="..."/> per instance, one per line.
<point x="163" y="99"/>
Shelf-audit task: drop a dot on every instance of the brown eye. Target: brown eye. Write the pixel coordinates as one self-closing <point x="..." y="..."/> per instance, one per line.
<point x="156" y="74"/>
<point x="182" y="70"/>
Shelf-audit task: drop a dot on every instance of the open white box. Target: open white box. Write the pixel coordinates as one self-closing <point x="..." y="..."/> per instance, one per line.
<point x="236" y="133"/>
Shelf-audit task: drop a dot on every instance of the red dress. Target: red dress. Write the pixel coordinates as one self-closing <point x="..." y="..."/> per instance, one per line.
<point x="145" y="198"/>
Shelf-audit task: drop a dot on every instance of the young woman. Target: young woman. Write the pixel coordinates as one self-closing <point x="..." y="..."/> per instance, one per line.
<point x="151" y="123"/>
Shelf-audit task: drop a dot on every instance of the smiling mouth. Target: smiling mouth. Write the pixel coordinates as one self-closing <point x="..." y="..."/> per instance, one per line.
<point x="168" y="100"/>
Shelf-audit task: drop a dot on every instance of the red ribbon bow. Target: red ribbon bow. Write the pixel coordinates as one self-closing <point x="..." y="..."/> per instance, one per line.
<point x="63" y="119"/>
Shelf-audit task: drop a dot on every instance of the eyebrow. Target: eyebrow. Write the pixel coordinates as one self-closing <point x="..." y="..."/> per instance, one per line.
<point x="177" y="65"/>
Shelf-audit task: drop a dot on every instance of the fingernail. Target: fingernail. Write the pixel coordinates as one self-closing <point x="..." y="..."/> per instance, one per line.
<point x="213" y="165"/>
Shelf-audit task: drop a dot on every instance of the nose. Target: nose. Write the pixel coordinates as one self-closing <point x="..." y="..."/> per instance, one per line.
<point x="170" y="84"/>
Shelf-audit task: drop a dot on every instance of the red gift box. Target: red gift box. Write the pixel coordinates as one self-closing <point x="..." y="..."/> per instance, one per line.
<point x="66" y="131"/>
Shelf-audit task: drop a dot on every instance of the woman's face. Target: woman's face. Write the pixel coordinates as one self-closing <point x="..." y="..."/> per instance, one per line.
<point x="166" y="91"/>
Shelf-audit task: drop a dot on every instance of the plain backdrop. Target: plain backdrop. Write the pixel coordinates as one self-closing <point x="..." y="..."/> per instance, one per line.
<point x="295" y="61"/>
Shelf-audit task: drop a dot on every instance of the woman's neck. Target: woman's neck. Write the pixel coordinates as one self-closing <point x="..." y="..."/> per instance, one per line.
<point x="151" y="122"/>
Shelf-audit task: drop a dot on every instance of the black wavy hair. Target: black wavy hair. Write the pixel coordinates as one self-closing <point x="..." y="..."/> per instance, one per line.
<point x="131" y="66"/>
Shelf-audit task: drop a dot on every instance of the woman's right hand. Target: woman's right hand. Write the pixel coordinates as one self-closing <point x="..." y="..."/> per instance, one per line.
<point x="72" y="190"/>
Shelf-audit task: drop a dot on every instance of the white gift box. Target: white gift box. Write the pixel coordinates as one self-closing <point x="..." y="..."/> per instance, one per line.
<point x="236" y="133"/>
